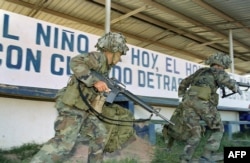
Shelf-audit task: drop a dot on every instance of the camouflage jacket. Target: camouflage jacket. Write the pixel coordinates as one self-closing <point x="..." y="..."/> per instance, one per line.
<point x="82" y="65"/>
<point x="211" y="77"/>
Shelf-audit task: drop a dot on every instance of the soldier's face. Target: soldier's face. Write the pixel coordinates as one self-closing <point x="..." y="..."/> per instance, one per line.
<point x="117" y="57"/>
<point x="219" y="67"/>
<point x="113" y="58"/>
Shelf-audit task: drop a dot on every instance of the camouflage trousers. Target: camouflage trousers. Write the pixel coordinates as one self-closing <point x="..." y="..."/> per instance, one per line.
<point x="194" y="111"/>
<point x="69" y="124"/>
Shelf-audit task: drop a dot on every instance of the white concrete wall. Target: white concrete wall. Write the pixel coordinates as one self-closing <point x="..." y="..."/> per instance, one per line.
<point x="29" y="121"/>
<point x="25" y="121"/>
<point x="231" y="116"/>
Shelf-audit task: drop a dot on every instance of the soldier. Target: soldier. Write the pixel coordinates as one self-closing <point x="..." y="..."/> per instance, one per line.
<point x="200" y="100"/>
<point x="75" y="117"/>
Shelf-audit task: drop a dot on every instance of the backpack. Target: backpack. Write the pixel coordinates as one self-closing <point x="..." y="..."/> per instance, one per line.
<point x="179" y="131"/>
<point x="118" y="132"/>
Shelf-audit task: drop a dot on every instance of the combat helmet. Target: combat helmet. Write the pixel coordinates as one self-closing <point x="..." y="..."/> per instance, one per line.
<point x="219" y="59"/>
<point x="113" y="42"/>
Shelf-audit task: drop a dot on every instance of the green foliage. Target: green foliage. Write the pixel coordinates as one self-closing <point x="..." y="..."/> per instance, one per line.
<point x="163" y="155"/>
<point x="242" y="135"/>
<point x="19" y="154"/>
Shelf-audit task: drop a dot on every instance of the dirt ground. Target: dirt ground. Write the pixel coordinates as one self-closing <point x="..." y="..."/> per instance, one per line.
<point x="138" y="149"/>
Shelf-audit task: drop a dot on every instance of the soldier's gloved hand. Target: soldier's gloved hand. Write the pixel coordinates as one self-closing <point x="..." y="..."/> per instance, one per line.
<point x="180" y="99"/>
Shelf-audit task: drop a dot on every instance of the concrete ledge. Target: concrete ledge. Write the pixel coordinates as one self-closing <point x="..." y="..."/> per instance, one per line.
<point x="49" y="95"/>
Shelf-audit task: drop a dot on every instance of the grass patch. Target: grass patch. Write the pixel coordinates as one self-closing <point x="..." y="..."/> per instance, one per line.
<point x="20" y="154"/>
<point x="240" y="139"/>
<point x="24" y="154"/>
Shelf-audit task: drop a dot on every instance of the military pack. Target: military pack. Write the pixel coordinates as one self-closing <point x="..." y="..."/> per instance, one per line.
<point x="179" y="131"/>
<point x="119" y="132"/>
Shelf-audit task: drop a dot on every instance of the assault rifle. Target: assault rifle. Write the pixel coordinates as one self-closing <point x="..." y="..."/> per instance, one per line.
<point x="118" y="87"/>
<point x="240" y="84"/>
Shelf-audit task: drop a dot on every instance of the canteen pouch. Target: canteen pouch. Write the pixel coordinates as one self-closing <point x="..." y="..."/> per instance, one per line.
<point x="98" y="103"/>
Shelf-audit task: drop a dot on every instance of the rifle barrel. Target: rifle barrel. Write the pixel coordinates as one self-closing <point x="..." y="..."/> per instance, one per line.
<point x="120" y="88"/>
<point x="243" y="84"/>
<point x="140" y="102"/>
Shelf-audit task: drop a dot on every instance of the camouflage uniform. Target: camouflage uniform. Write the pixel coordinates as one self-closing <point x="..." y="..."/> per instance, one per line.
<point x="200" y="102"/>
<point x="74" y="116"/>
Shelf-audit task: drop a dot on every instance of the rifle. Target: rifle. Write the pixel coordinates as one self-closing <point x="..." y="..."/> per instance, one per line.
<point x="118" y="87"/>
<point x="240" y="84"/>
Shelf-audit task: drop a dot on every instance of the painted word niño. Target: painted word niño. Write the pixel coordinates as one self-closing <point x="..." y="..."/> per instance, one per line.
<point x="21" y="56"/>
<point x="52" y="36"/>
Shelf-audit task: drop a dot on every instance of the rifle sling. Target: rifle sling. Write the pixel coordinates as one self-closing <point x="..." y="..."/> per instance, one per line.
<point x="102" y="117"/>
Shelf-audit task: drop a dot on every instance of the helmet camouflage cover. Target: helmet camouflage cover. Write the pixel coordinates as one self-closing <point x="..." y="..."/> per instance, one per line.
<point x="219" y="59"/>
<point x="113" y="42"/>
